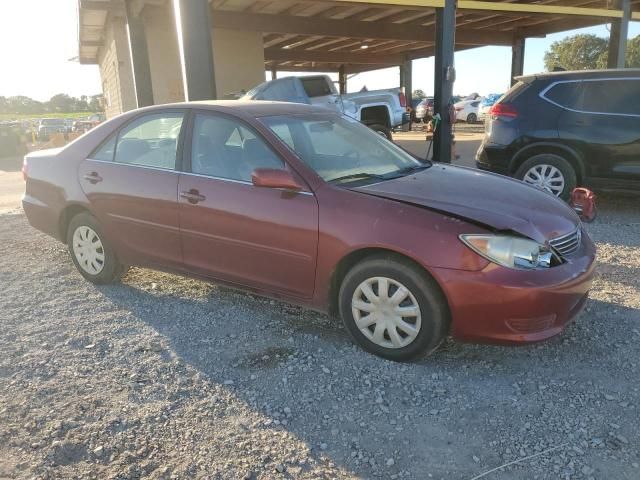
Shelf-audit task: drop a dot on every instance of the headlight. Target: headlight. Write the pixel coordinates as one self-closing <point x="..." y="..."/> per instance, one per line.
<point x="509" y="251"/>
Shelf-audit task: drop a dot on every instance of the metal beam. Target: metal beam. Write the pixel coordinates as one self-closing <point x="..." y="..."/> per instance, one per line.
<point x="139" y="58"/>
<point x="193" y="25"/>
<point x="406" y="70"/>
<point x="444" y="76"/>
<point x="618" y="37"/>
<point x="517" y="59"/>
<point x="298" y="25"/>
<point x="295" y="55"/>
<point x="536" y="8"/>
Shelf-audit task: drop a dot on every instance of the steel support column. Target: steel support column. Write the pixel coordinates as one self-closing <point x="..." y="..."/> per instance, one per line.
<point x="193" y="23"/>
<point x="274" y="74"/>
<point x="139" y="58"/>
<point x="444" y="76"/>
<point x="517" y="59"/>
<point x="407" y="80"/>
<point x="619" y="36"/>
<point x="342" y="80"/>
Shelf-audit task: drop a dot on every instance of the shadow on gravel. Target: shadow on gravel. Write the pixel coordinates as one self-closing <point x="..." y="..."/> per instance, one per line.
<point x="364" y="413"/>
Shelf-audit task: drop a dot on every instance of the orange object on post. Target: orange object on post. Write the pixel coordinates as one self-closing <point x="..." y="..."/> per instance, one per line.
<point x="583" y="201"/>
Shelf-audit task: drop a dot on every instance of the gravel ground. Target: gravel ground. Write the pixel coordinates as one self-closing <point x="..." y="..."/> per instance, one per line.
<point x="166" y="377"/>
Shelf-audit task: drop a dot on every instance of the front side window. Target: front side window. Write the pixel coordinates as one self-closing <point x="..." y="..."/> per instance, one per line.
<point x="225" y="148"/>
<point x="341" y="149"/>
<point x="150" y="141"/>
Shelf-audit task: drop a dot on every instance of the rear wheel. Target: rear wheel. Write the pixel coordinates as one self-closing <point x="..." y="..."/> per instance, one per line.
<point x="549" y="172"/>
<point x="393" y="309"/>
<point x="472" y="118"/>
<point x="90" y="251"/>
<point x="381" y="130"/>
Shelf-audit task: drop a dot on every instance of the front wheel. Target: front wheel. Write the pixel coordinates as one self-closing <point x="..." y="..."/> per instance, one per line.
<point x="381" y="130"/>
<point x="393" y="309"/>
<point x="90" y="251"/>
<point x="472" y="118"/>
<point x="549" y="172"/>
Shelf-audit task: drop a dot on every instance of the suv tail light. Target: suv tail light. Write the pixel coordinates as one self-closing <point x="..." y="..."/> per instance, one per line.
<point x="503" y="110"/>
<point x="403" y="99"/>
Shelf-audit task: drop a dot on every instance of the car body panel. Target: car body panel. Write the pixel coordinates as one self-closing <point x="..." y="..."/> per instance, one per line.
<point x="260" y="237"/>
<point x="291" y="245"/>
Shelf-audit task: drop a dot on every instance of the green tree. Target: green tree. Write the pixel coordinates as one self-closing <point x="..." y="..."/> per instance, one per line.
<point x="580" y="52"/>
<point x="633" y="53"/>
<point x="419" y="93"/>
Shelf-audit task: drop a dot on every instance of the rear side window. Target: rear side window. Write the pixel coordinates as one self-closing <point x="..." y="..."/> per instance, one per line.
<point x="316" y="87"/>
<point x="565" y="94"/>
<point x="105" y="151"/>
<point x="610" y="96"/>
<point x="150" y="141"/>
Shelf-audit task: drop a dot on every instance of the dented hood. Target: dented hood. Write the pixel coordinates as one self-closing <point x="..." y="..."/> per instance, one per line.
<point x="495" y="201"/>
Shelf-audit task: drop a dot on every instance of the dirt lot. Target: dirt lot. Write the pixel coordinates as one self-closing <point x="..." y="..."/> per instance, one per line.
<point x="166" y="377"/>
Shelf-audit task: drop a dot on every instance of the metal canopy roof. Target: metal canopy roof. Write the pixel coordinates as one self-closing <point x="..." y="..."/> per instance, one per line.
<point x="322" y="35"/>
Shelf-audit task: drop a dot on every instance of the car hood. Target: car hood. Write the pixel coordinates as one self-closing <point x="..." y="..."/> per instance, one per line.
<point x="498" y="202"/>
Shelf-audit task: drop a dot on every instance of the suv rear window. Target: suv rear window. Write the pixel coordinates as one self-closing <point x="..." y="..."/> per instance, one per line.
<point x="514" y="92"/>
<point x="316" y="87"/>
<point x="564" y="94"/>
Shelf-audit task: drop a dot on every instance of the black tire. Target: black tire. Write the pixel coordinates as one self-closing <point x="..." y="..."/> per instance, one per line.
<point x="434" y="310"/>
<point x="111" y="268"/>
<point x="559" y="162"/>
<point x="472" y="118"/>
<point x="382" y="130"/>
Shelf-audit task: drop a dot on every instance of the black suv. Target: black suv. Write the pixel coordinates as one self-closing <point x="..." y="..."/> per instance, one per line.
<point x="566" y="129"/>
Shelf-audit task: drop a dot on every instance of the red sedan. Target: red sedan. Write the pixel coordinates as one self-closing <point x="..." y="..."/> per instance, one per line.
<point x="311" y="207"/>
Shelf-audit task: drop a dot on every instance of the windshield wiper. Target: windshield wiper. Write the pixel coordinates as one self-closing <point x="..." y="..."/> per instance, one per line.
<point x="411" y="169"/>
<point x="354" y="176"/>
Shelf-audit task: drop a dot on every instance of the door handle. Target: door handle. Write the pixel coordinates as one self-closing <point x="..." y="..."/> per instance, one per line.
<point x="93" y="177"/>
<point x="193" y="196"/>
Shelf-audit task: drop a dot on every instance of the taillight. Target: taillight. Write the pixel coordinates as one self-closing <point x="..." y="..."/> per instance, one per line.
<point x="403" y="99"/>
<point x="503" y="110"/>
<point x="25" y="170"/>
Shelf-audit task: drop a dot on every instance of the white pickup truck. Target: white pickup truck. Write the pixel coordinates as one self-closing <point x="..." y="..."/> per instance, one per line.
<point x="380" y="110"/>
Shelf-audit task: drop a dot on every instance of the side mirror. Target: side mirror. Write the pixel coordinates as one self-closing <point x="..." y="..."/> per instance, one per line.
<point x="274" y="178"/>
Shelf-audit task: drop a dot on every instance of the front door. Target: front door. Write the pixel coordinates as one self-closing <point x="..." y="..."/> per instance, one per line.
<point x="131" y="182"/>
<point x="234" y="231"/>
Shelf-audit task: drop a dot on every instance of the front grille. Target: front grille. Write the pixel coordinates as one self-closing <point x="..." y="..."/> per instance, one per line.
<point x="567" y="244"/>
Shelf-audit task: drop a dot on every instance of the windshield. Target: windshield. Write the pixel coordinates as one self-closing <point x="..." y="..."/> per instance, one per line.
<point x="341" y="149"/>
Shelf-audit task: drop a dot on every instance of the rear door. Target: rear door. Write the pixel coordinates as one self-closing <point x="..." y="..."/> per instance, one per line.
<point x="603" y="118"/>
<point x="234" y="231"/>
<point x="131" y="182"/>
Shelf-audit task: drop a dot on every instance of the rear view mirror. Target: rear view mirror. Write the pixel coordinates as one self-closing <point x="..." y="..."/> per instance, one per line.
<point x="274" y="178"/>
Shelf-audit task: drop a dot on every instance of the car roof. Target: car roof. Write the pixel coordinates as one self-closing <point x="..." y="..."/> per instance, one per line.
<point x="253" y="108"/>
<point x="581" y="74"/>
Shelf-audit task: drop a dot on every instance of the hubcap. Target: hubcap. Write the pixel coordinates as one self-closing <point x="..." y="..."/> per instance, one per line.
<point x="88" y="250"/>
<point x="545" y="177"/>
<point x="386" y="312"/>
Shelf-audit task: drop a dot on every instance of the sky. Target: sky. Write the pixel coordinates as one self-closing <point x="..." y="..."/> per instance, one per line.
<point x="39" y="46"/>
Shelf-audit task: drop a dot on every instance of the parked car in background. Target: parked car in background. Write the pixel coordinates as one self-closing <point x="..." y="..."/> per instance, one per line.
<point x="566" y="129"/>
<point x="485" y="105"/>
<point x="424" y="110"/>
<point x="380" y="110"/>
<point x="467" y="110"/>
<point x="307" y="205"/>
<point x="47" y="126"/>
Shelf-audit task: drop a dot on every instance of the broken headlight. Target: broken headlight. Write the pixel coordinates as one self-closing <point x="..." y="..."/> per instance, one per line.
<point x="510" y="251"/>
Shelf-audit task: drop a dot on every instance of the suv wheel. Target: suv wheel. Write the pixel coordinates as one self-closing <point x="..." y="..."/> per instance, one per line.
<point x="393" y="309"/>
<point x="549" y="172"/>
